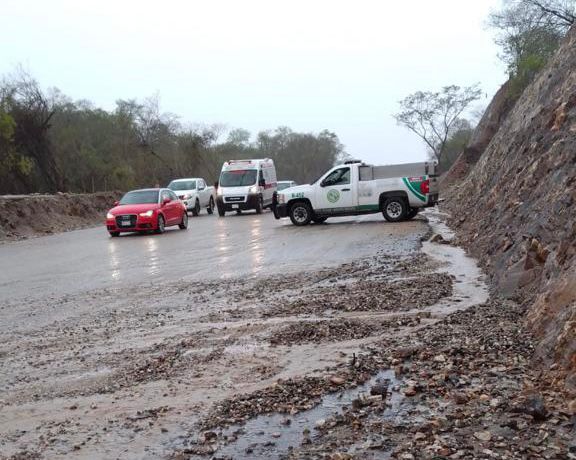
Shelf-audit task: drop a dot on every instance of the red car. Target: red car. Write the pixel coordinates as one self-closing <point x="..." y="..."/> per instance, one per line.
<point x="145" y="210"/>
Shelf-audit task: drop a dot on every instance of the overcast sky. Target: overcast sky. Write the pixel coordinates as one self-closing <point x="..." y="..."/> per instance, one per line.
<point x="259" y="64"/>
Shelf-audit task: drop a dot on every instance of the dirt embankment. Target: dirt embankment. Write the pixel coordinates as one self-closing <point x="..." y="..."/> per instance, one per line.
<point x="25" y="216"/>
<point x="514" y="210"/>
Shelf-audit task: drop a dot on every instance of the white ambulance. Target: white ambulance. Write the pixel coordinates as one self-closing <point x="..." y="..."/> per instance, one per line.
<point x="245" y="185"/>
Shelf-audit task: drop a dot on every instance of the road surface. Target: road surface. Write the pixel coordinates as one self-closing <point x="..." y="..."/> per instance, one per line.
<point x="121" y="347"/>
<point x="211" y="248"/>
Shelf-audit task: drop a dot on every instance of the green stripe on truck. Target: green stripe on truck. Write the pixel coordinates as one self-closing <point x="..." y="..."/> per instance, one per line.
<point x="413" y="190"/>
<point x="368" y="207"/>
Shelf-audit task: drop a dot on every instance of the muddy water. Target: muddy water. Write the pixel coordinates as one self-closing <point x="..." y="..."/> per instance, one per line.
<point x="272" y="436"/>
<point x="469" y="282"/>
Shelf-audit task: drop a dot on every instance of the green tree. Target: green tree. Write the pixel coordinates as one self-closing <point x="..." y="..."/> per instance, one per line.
<point x="529" y="32"/>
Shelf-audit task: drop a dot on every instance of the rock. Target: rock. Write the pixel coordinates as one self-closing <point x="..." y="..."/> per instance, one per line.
<point x="572" y="407"/>
<point x="436" y="238"/>
<point x="337" y="380"/>
<point x="419" y="436"/>
<point x="534" y="406"/>
<point x="410" y="391"/>
<point x="483" y="435"/>
<point x="320" y="423"/>
<point x="380" y="388"/>
<point x="460" y="398"/>
<point x="209" y="436"/>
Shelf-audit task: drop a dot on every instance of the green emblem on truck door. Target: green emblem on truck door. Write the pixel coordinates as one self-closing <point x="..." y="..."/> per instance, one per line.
<point x="333" y="196"/>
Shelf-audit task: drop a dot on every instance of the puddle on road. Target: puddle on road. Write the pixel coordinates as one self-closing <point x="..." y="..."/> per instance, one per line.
<point x="272" y="436"/>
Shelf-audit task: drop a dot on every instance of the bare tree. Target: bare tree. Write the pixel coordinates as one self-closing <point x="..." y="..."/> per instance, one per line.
<point x="560" y="14"/>
<point x="153" y="127"/>
<point x="433" y="115"/>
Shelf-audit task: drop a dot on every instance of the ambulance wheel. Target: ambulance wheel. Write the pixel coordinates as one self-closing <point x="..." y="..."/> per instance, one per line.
<point x="259" y="206"/>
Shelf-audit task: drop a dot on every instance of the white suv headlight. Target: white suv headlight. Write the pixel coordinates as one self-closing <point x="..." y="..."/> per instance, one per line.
<point x="281" y="198"/>
<point x="253" y="189"/>
<point x="220" y="192"/>
<point x="147" y="214"/>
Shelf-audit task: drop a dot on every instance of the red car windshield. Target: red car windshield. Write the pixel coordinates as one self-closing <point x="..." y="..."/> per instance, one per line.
<point x="141" y="197"/>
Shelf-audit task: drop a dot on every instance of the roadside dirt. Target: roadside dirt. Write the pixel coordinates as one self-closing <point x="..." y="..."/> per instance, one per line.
<point x="26" y="216"/>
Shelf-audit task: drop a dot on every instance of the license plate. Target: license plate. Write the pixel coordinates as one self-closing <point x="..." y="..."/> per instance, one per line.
<point x="235" y="206"/>
<point x="125" y="223"/>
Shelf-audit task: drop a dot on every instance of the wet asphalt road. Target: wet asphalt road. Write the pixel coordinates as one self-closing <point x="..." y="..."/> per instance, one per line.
<point x="211" y="248"/>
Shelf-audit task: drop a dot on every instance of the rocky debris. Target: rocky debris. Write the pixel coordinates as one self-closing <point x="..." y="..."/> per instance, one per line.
<point x="466" y="400"/>
<point x="518" y="204"/>
<point x="404" y="294"/>
<point x="338" y="330"/>
<point x="289" y="396"/>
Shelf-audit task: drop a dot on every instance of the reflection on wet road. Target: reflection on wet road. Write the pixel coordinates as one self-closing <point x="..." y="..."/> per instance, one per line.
<point x="211" y="248"/>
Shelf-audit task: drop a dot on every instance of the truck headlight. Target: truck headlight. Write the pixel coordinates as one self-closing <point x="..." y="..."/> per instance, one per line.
<point x="220" y="191"/>
<point x="253" y="189"/>
<point x="109" y="216"/>
<point x="147" y="214"/>
<point x="281" y="198"/>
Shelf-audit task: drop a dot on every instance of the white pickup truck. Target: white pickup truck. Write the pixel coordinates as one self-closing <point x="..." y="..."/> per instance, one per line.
<point x="194" y="193"/>
<point x="354" y="188"/>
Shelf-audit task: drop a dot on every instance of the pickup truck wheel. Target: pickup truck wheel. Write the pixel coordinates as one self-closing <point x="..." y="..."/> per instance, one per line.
<point x="319" y="220"/>
<point x="161" y="227"/>
<point x="300" y="213"/>
<point x="394" y="209"/>
<point x="196" y="209"/>
<point x="184" y="224"/>
<point x="413" y="212"/>
<point x="221" y="212"/>
<point x="210" y="208"/>
<point x="259" y="206"/>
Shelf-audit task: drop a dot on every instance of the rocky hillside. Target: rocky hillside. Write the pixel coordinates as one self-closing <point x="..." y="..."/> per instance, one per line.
<point x="23" y="216"/>
<point x="515" y="209"/>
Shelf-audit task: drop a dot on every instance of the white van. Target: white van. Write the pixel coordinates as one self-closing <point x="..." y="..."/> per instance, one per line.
<point x="246" y="184"/>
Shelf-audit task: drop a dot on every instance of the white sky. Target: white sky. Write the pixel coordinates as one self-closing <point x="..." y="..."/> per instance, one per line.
<point x="259" y="64"/>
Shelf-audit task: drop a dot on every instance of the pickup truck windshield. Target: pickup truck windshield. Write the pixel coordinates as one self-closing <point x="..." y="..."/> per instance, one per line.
<point x="238" y="178"/>
<point x="182" y="185"/>
<point x="284" y="185"/>
<point x="142" y="197"/>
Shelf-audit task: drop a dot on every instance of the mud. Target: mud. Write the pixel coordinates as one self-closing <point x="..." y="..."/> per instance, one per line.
<point x="225" y="368"/>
